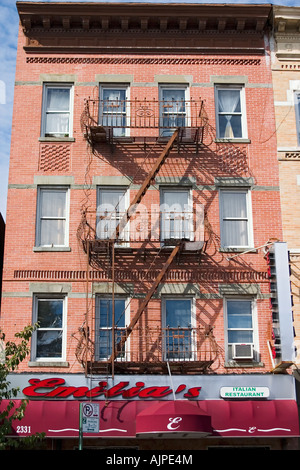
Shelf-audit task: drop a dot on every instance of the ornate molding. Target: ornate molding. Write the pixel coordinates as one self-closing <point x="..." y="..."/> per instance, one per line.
<point x="144" y="60"/>
<point x="286" y="23"/>
<point x="83" y="27"/>
<point x="178" y="275"/>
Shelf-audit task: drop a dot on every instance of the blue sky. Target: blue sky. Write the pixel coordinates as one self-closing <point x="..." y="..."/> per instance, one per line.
<point x="8" y="49"/>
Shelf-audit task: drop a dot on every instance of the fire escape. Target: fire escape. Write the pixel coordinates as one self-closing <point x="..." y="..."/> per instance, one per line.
<point x="165" y="125"/>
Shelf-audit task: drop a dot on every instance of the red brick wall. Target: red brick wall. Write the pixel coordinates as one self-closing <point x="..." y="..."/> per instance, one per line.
<point x="30" y="157"/>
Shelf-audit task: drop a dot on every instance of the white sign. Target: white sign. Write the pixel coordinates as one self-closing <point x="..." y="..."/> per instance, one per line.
<point x="245" y="392"/>
<point x="90" y="417"/>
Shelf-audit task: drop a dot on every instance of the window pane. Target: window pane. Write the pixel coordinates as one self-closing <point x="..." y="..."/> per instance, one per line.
<point x="239" y="307"/>
<point x="57" y="124"/>
<point x="50" y="313"/>
<point x="106" y="313"/>
<point x="112" y="207"/>
<point x="175" y="101"/>
<point x="240" y="336"/>
<point x="58" y="99"/>
<point x="229" y="101"/>
<point x="178" y="344"/>
<point x="239" y="315"/>
<point x="49" y="344"/>
<point x="234" y="204"/>
<point x="53" y="232"/>
<point x="235" y="233"/>
<point x="53" y="203"/>
<point x="105" y="342"/>
<point x="178" y="313"/>
<point x="230" y="127"/>
<point x="114" y="101"/>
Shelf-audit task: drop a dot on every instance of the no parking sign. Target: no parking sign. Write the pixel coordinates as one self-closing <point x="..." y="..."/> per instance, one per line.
<point x="90" y="417"/>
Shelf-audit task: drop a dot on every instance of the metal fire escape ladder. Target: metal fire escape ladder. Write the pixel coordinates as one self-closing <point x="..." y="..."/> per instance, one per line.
<point x="151" y="175"/>
<point x="122" y="224"/>
<point x="144" y="304"/>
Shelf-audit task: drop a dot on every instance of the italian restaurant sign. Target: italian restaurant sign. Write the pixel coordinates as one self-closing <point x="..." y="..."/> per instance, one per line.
<point x="244" y="392"/>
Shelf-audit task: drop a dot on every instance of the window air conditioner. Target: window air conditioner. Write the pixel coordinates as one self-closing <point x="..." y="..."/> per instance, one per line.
<point x="242" y="351"/>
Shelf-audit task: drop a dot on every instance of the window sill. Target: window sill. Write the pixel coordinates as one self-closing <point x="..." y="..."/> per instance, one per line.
<point x="56" y="139"/>
<point x="48" y="364"/>
<point x="248" y="249"/>
<point x="233" y="141"/>
<point x="50" y="248"/>
<point x="244" y="364"/>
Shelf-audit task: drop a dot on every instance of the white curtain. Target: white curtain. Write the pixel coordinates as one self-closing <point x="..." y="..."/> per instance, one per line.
<point x="57" y="111"/>
<point x="235" y="223"/>
<point x="110" y="211"/>
<point x="229" y="102"/>
<point x="53" y="218"/>
<point x="176" y="215"/>
<point x="113" y="112"/>
<point x="175" y="101"/>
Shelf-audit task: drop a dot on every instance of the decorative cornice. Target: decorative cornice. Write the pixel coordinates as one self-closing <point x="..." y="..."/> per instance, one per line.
<point x="90" y="26"/>
<point x="127" y="16"/>
<point x="286" y="26"/>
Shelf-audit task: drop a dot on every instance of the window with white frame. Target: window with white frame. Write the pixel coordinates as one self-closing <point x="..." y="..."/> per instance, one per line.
<point x="297" y="105"/>
<point x="235" y="218"/>
<point x="52" y="217"/>
<point x="241" y="328"/>
<point x="114" y="109"/>
<point x="173" y="108"/>
<point x="111" y="209"/>
<point x="48" y="341"/>
<point x="230" y="112"/>
<point x="110" y="326"/>
<point x="176" y="212"/>
<point x="57" y="110"/>
<point x="178" y="333"/>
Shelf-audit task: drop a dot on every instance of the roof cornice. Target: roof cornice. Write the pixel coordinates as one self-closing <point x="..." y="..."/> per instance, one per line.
<point x="143" y="27"/>
<point x="142" y="16"/>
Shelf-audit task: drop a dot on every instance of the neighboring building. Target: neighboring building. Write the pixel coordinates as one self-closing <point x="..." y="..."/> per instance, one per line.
<point x="2" y="237"/>
<point x="143" y="219"/>
<point x="286" y="84"/>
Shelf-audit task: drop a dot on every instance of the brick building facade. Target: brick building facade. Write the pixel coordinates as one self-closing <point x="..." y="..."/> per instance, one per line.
<point x="143" y="207"/>
<point x="286" y="84"/>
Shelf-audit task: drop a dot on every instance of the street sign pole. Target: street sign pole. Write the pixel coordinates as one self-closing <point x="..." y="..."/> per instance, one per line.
<point x="80" y="427"/>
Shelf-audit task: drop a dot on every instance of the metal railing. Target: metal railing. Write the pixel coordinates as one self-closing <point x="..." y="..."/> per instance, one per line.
<point x="143" y="114"/>
<point x="147" y="225"/>
<point x="156" y="344"/>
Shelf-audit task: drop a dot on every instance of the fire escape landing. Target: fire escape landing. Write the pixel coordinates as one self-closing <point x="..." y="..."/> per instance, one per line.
<point x="145" y="120"/>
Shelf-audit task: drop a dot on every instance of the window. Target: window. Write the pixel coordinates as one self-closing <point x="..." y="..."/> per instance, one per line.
<point x="48" y="339"/>
<point x="173" y="109"/>
<point x="57" y="111"/>
<point x="230" y="108"/>
<point x="240" y="328"/>
<point x="114" y="108"/>
<point x="104" y="325"/>
<point x="236" y="231"/>
<point x="52" y="217"/>
<point x="112" y="205"/>
<point x="177" y="328"/>
<point x="176" y="214"/>
<point x="297" y="104"/>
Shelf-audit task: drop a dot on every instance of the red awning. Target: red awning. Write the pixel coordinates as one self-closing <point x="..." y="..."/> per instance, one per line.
<point x="120" y="418"/>
<point x="173" y="419"/>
